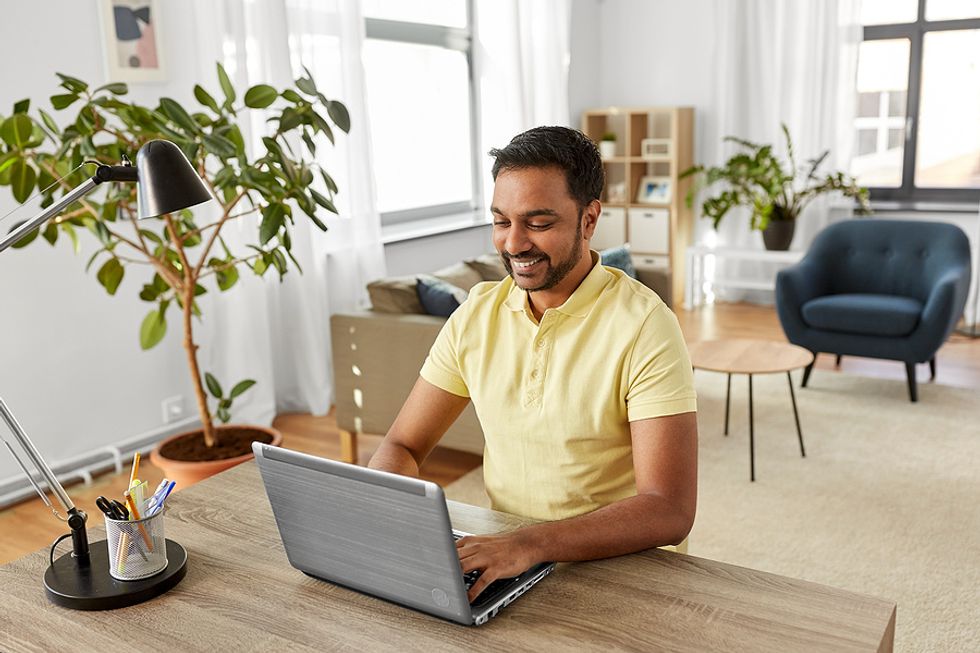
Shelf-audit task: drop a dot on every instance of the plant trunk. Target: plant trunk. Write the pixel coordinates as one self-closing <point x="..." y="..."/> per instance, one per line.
<point x="207" y="425"/>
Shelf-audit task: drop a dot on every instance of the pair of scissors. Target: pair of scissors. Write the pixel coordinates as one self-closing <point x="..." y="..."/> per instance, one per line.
<point x="112" y="509"/>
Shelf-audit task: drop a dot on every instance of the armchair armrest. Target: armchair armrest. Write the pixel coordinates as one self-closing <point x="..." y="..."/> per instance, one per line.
<point x="942" y="310"/>
<point x="795" y="286"/>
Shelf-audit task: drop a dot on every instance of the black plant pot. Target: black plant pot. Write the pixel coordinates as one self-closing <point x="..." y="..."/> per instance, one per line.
<point x="778" y="235"/>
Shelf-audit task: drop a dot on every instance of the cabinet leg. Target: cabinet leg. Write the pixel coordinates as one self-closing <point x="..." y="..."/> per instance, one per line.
<point x="348" y="447"/>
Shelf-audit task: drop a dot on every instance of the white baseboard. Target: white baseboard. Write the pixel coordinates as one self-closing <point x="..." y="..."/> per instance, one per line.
<point x="84" y="467"/>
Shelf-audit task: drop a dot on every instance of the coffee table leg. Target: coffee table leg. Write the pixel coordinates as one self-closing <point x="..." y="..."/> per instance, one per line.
<point x="796" y="414"/>
<point x="751" y="435"/>
<point x="728" y="395"/>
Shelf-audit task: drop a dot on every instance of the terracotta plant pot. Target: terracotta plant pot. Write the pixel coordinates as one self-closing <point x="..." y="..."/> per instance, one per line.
<point x="187" y="472"/>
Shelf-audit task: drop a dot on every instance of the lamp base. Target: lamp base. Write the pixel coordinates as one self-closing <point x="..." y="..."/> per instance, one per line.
<point x="70" y="585"/>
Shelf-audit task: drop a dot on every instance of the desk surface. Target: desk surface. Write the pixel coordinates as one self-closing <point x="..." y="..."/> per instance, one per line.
<point x="241" y="594"/>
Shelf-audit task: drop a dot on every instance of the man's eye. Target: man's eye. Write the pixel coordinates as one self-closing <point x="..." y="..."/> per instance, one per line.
<point x="498" y="223"/>
<point x="539" y="226"/>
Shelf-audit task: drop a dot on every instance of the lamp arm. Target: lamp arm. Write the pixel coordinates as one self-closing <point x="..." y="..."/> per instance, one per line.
<point x="35" y="457"/>
<point x="104" y="173"/>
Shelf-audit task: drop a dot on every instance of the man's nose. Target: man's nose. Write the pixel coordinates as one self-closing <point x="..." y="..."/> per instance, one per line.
<point x="517" y="240"/>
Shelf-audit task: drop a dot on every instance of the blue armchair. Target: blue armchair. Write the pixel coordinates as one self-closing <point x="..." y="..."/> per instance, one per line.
<point x="890" y="289"/>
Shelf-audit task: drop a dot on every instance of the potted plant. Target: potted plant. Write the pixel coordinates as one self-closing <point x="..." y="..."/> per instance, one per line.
<point x="607" y="145"/>
<point x="181" y="257"/>
<point x="775" y="193"/>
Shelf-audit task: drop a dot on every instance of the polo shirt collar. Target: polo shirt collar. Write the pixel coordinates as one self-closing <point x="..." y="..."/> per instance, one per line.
<point x="581" y="300"/>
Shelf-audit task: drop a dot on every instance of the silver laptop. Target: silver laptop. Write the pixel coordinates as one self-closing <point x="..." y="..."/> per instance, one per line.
<point x="378" y="533"/>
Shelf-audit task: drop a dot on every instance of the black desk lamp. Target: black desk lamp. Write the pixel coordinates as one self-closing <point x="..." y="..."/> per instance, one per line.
<point x="80" y="580"/>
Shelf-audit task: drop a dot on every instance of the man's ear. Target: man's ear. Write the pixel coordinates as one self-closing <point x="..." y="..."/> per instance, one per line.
<point x="590" y="216"/>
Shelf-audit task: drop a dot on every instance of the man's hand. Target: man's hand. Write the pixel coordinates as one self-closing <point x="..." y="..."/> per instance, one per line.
<point x="496" y="556"/>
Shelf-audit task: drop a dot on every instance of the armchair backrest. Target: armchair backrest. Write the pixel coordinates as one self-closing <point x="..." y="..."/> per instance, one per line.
<point x="889" y="257"/>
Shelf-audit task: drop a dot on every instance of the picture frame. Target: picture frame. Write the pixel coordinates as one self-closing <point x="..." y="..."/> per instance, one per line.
<point x="132" y="40"/>
<point x="654" y="190"/>
<point x="655" y="148"/>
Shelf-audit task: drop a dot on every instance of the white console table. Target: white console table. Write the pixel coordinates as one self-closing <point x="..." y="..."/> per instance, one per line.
<point x="698" y="283"/>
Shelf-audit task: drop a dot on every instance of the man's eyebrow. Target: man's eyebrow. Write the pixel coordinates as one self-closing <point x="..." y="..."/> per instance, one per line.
<point x="527" y="214"/>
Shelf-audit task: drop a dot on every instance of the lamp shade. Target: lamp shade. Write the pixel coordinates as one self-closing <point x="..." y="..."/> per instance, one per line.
<point x="167" y="180"/>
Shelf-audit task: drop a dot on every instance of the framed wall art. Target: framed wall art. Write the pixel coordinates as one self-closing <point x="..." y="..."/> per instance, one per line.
<point x="131" y="40"/>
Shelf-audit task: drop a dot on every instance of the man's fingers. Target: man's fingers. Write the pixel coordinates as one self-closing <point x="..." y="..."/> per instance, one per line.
<point x="480" y="585"/>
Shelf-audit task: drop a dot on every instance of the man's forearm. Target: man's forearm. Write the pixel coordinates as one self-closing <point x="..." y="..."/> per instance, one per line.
<point x="627" y="526"/>
<point x="393" y="457"/>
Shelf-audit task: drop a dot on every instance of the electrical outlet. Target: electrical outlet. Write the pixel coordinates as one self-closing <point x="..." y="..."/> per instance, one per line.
<point x="173" y="409"/>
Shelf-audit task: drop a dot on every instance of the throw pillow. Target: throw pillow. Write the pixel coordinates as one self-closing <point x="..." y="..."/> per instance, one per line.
<point x="394" y="295"/>
<point x="489" y="267"/>
<point x="438" y="297"/>
<point x="619" y="257"/>
<point x="459" y="275"/>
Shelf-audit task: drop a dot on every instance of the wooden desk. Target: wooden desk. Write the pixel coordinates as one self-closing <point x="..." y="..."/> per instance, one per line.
<point x="241" y="594"/>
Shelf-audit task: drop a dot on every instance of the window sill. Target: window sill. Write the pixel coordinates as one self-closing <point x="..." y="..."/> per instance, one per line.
<point x="396" y="233"/>
<point x="965" y="208"/>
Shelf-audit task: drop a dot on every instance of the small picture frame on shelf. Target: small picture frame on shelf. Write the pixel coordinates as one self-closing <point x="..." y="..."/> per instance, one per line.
<point x="616" y="193"/>
<point x="655" y="148"/>
<point x="653" y="190"/>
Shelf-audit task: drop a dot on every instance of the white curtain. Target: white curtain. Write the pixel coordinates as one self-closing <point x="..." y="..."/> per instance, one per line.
<point x="782" y="62"/>
<point x="521" y="59"/>
<point x="279" y="333"/>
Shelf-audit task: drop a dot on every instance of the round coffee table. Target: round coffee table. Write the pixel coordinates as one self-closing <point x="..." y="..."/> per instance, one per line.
<point x="747" y="356"/>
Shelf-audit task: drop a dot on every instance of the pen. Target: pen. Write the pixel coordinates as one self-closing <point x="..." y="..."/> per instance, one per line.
<point x="134" y="513"/>
<point x="136" y="467"/>
<point x="156" y="503"/>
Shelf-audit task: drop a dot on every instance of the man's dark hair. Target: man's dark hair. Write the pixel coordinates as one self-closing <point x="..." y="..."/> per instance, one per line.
<point x="562" y="147"/>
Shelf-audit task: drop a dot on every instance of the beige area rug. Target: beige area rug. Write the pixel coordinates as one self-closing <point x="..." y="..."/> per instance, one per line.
<point x="887" y="501"/>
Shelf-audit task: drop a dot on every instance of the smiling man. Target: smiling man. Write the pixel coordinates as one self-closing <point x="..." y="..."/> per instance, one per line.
<point x="579" y="376"/>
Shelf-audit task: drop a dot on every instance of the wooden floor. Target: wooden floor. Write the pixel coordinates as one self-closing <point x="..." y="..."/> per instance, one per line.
<point x="29" y="525"/>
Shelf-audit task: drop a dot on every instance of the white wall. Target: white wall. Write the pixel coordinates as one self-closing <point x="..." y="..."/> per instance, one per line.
<point x="72" y="370"/>
<point x="429" y="254"/>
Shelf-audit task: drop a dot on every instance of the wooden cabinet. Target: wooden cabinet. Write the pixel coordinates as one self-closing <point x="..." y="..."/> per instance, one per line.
<point x="643" y="199"/>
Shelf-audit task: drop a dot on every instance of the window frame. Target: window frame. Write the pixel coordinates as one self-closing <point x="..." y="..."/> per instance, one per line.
<point x="915" y="32"/>
<point x="459" y="39"/>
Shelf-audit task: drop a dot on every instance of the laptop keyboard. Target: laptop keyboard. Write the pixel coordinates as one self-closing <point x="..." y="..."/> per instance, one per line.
<point x="471" y="577"/>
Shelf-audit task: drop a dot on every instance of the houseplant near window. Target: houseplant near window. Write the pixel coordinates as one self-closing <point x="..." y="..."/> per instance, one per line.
<point x="181" y="258"/>
<point x="775" y="193"/>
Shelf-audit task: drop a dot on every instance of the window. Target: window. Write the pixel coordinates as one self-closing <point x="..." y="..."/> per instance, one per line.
<point x="421" y="104"/>
<point x="917" y="120"/>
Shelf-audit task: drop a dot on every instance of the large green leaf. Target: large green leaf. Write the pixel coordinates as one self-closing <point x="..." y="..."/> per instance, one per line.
<point x="22" y="178"/>
<point x="179" y="115"/>
<point x="306" y="85"/>
<point x="226" y="86"/>
<point x="260" y="96"/>
<point x="63" y="100"/>
<point x="16" y="130"/>
<point x="213" y="386"/>
<point x="219" y="145"/>
<point x="153" y="329"/>
<point x="338" y="113"/>
<point x="110" y="275"/>
<point x="227" y="277"/>
<point x="241" y="387"/>
<point x="72" y="83"/>
<point x="272" y="221"/>
<point x="205" y="98"/>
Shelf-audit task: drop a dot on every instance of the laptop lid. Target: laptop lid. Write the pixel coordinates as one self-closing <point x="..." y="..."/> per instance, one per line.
<point x="375" y="532"/>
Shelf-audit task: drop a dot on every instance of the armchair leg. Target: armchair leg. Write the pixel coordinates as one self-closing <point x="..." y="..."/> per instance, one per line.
<point x="837" y="363"/>
<point x="348" y="447"/>
<point x="806" y="373"/>
<point x="932" y="369"/>
<point x="910" y="373"/>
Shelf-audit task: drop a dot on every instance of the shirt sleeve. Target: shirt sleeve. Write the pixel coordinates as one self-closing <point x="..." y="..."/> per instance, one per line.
<point x="661" y="380"/>
<point x="441" y="367"/>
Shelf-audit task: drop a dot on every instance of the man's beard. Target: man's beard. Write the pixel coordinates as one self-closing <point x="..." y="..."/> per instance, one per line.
<point x="555" y="273"/>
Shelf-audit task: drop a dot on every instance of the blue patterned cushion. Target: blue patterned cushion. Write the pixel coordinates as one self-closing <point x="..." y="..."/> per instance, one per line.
<point x="619" y="257"/>
<point x="437" y="296"/>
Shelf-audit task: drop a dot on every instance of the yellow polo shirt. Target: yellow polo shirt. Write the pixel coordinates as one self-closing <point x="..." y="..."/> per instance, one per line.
<point x="555" y="398"/>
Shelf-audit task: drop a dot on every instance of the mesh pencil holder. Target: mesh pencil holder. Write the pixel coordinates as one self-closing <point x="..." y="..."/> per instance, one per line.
<point x="138" y="548"/>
